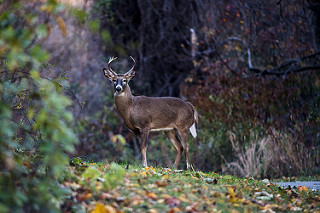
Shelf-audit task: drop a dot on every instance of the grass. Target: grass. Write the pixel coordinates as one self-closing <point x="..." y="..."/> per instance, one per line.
<point x="103" y="187"/>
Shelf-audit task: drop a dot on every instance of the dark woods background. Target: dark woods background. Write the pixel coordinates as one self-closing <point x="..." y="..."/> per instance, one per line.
<point x="251" y="68"/>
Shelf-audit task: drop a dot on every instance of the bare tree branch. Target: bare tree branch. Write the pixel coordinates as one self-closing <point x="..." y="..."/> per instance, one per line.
<point x="278" y="70"/>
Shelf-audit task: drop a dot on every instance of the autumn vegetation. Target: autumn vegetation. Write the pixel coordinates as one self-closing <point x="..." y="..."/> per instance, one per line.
<point x="251" y="69"/>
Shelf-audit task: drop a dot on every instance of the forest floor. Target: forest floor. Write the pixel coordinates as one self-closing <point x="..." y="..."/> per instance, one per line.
<point x="103" y="187"/>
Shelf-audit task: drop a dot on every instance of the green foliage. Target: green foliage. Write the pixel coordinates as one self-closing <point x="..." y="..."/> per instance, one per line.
<point x="35" y="132"/>
<point x="114" y="176"/>
<point x="80" y="15"/>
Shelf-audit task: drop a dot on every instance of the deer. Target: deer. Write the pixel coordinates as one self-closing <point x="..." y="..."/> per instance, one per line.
<point x="143" y="115"/>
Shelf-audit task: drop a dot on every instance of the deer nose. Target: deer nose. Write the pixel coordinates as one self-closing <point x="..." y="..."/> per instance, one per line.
<point x="118" y="88"/>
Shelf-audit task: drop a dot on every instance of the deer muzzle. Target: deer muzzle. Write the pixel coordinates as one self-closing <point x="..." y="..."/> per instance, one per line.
<point x="119" y="88"/>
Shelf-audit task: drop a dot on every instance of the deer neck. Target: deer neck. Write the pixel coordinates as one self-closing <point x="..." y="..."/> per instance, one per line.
<point x="123" y="101"/>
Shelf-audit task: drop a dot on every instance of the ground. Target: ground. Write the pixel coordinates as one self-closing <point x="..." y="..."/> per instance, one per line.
<point x="103" y="187"/>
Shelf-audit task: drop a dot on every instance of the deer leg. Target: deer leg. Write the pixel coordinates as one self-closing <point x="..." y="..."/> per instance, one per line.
<point x="184" y="139"/>
<point x="143" y="139"/>
<point x="176" y="143"/>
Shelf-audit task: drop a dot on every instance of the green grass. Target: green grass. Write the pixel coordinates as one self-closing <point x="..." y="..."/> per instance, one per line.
<point x="103" y="187"/>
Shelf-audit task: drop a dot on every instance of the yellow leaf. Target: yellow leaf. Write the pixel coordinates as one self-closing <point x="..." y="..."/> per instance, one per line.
<point x="231" y="191"/>
<point x="152" y="195"/>
<point x="183" y="198"/>
<point x="302" y="188"/>
<point x="99" y="209"/>
<point x="165" y="196"/>
<point x="152" y="168"/>
<point x="87" y="196"/>
<point x="143" y="173"/>
<point x="62" y="26"/>
<point x="165" y="177"/>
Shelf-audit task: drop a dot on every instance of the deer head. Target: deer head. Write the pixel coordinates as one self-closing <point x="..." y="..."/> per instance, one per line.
<point x="119" y="81"/>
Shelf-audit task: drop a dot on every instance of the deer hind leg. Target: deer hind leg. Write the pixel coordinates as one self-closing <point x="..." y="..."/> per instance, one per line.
<point x="143" y="136"/>
<point x="184" y="139"/>
<point x="176" y="143"/>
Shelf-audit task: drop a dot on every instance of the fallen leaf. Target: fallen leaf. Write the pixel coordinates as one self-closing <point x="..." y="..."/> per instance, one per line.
<point x="152" y="168"/>
<point x="73" y="185"/>
<point x="152" y="195"/>
<point x="166" y="170"/>
<point x="294" y="208"/>
<point x="175" y="209"/>
<point x="84" y="197"/>
<point x="267" y="208"/>
<point x="183" y="198"/>
<point x="302" y="189"/>
<point x="165" y="177"/>
<point x="110" y="209"/>
<point x="106" y="195"/>
<point x="136" y="201"/>
<point x="99" y="209"/>
<point x="161" y="183"/>
<point x="231" y="191"/>
<point x="172" y="201"/>
<point x="143" y="173"/>
<point x="192" y="208"/>
<point x="62" y="26"/>
<point x="263" y="195"/>
<point x="165" y="196"/>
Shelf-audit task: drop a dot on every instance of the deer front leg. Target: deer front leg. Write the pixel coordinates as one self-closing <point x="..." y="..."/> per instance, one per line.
<point x="143" y="139"/>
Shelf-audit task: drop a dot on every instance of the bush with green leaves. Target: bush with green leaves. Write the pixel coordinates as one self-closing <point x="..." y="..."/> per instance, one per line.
<point x="35" y="132"/>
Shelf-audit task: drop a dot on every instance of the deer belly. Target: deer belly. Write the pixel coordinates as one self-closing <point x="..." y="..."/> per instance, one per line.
<point x="161" y="129"/>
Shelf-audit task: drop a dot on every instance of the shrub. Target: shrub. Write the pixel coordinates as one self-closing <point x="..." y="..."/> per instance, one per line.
<point x="35" y="132"/>
<point x="274" y="155"/>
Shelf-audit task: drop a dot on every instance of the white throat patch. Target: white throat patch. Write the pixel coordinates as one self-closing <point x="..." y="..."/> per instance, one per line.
<point x="116" y="93"/>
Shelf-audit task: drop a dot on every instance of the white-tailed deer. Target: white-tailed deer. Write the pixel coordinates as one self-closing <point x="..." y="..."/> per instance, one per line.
<point x="147" y="114"/>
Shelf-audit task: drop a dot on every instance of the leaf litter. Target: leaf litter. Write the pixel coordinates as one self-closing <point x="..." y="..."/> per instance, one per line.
<point x="100" y="188"/>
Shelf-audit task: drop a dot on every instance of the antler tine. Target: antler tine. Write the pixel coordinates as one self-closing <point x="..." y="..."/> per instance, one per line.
<point x="132" y="66"/>
<point x="110" y="60"/>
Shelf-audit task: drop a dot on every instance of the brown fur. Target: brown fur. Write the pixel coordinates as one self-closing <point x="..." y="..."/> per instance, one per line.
<point x="144" y="114"/>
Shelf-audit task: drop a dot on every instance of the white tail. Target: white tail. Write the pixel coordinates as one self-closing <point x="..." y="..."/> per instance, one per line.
<point x="147" y="114"/>
<point x="193" y="128"/>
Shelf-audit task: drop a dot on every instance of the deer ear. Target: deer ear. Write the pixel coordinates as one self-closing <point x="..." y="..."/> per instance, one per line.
<point x="109" y="74"/>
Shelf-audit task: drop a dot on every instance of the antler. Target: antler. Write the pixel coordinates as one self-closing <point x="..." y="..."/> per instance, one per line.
<point x="110" y="60"/>
<point x="129" y="72"/>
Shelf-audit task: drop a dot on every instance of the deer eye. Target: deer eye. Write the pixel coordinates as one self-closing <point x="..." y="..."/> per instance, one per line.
<point x="124" y="80"/>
